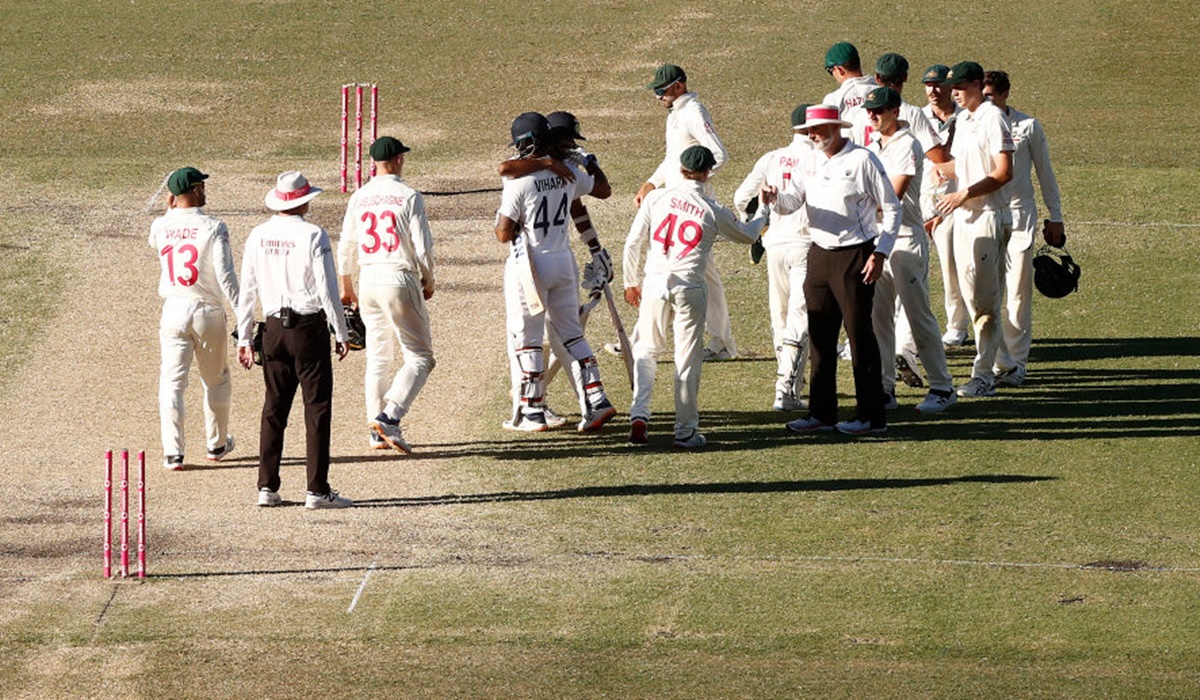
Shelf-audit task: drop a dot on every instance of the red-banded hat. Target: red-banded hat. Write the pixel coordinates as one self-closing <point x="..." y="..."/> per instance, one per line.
<point x="291" y="190"/>
<point x="817" y="115"/>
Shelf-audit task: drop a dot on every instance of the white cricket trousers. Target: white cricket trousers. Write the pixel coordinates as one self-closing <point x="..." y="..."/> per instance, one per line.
<point x="979" y="245"/>
<point x="720" y="328"/>
<point x="193" y="328"/>
<point x="906" y="279"/>
<point x="683" y="310"/>
<point x="957" y="317"/>
<point x="787" y="266"/>
<point x="399" y="312"/>
<point x="1018" y="293"/>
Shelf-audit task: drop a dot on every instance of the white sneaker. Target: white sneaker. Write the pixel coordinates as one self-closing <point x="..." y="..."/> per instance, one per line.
<point x="553" y="420"/>
<point x="691" y="442"/>
<point x="954" y="338"/>
<point x="597" y="417"/>
<point x="976" y="387"/>
<point x="534" y="422"/>
<point x="711" y="355"/>
<point x="315" y="501"/>
<point x="936" y="402"/>
<point x="377" y="443"/>
<point x="860" y="427"/>
<point x="173" y="462"/>
<point x="223" y="451"/>
<point x="786" y="402"/>
<point x="268" y="498"/>
<point x="389" y="431"/>
<point x="809" y="424"/>
<point x="844" y="351"/>
<point x="889" y="401"/>
<point x="613" y="349"/>
<point x="909" y="368"/>
<point x="1013" y="377"/>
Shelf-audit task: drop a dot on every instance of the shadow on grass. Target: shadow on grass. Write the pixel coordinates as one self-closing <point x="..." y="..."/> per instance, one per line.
<point x="726" y="487"/>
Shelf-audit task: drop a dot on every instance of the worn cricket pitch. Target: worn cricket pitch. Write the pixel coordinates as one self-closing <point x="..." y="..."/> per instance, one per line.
<point x="1040" y="544"/>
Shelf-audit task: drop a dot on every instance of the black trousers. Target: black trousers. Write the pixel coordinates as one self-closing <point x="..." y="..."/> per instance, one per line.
<point x="836" y="295"/>
<point x="292" y="357"/>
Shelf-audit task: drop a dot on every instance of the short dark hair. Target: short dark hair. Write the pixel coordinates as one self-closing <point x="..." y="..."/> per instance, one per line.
<point x="997" y="79"/>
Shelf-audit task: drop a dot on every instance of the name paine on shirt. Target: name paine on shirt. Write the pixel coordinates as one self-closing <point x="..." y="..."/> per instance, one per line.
<point x="272" y="246"/>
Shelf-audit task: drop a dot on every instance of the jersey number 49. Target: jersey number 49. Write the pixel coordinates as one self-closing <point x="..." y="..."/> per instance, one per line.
<point x="686" y="234"/>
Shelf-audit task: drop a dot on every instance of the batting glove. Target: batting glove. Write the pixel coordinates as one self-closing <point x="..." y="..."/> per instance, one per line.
<point x="603" y="263"/>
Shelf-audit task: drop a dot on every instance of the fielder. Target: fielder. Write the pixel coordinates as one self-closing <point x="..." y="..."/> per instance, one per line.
<point x="680" y="223"/>
<point x="941" y="112"/>
<point x="1032" y="152"/>
<point x="197" y="277"/>
<point x="786" y="243"/>
<point x="905" y="273"/>
<point x="689" y="124"/>
<point x="983" y="165"/>
<point x="540" y="280"/>
<point x="386" y="233"/>
<point x="843" y="64"/>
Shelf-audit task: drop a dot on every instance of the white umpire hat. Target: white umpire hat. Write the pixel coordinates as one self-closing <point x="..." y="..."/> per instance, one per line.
<point x="291" y="190"/>
<point x="817" y="115"/>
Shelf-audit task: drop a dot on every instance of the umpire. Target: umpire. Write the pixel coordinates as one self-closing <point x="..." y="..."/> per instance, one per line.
<point x="288" y="262"/>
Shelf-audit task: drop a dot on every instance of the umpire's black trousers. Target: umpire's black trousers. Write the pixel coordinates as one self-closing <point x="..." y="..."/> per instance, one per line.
<point x="294" y="357"/>
<point x="835" y="294"/>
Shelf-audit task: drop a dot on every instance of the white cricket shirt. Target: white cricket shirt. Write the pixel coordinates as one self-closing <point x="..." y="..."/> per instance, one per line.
<point x="688" y="124"/>
<point x="194" y="253"/>
<point x="386" y="233"/>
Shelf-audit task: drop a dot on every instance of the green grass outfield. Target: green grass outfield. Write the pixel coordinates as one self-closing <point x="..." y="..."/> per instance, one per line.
<point x="1045" y="543"/>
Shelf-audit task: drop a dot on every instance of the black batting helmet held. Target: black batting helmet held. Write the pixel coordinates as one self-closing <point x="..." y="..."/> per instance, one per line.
<point x="1055" y="274"/>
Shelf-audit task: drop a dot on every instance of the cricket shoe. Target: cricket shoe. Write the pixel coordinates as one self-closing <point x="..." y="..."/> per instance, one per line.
<point x="890" y="403"/>
<point x="954" y="338"/>
<point x="809" y="424"/>
<point x="691" y="442"/>
<point x="613" y="349"/>
<point x="786" y="403"/>
<point x="597" y="417"/>
<point x="223" y="451"/>
<point x="553" y="420"/>
<point x="317" y="501"/>
<point x="533" y="422"/>
<point x="268" y="498"/>
<point x="843" y="351"/>
<point x="909" y="369"/>
<point x="937" y="401"/>
<point x="173" y="462"/>
<point x="860" y="427"/>
<point x="389" y="431"/>
<point x="711" y="355"/>
<point x="1013" y="377"/>
<point x="976" y="387"/>
<point x="377" y="443"/>
<point x="637" y="432"/>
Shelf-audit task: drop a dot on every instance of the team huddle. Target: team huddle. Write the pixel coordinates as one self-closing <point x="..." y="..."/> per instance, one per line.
<point x="843" y="214"/>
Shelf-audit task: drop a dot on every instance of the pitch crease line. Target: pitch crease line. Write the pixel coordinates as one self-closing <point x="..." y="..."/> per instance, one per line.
<point x="361" y="587"/>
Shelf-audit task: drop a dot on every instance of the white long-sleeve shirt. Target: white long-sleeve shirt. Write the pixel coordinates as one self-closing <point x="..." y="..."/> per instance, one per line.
<point x="289" y="262"/>
<point x="775" y="168"/>
<point x="681" y="223"/>
<point x="849" y="99"/>
<point x="1032" y="152"/>
<point x="194" y="253"/>
<point x="842" y="195"/>
<point x="385" y="232"/>
<point x="688" y="124"/>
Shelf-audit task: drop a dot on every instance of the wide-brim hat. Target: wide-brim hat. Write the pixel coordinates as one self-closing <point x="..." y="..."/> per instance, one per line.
<point x="291" y="190"/>
<point x="817" y="115"/>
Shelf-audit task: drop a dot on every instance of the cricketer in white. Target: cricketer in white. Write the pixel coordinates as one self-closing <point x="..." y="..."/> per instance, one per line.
<point x="197" y="277"/>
